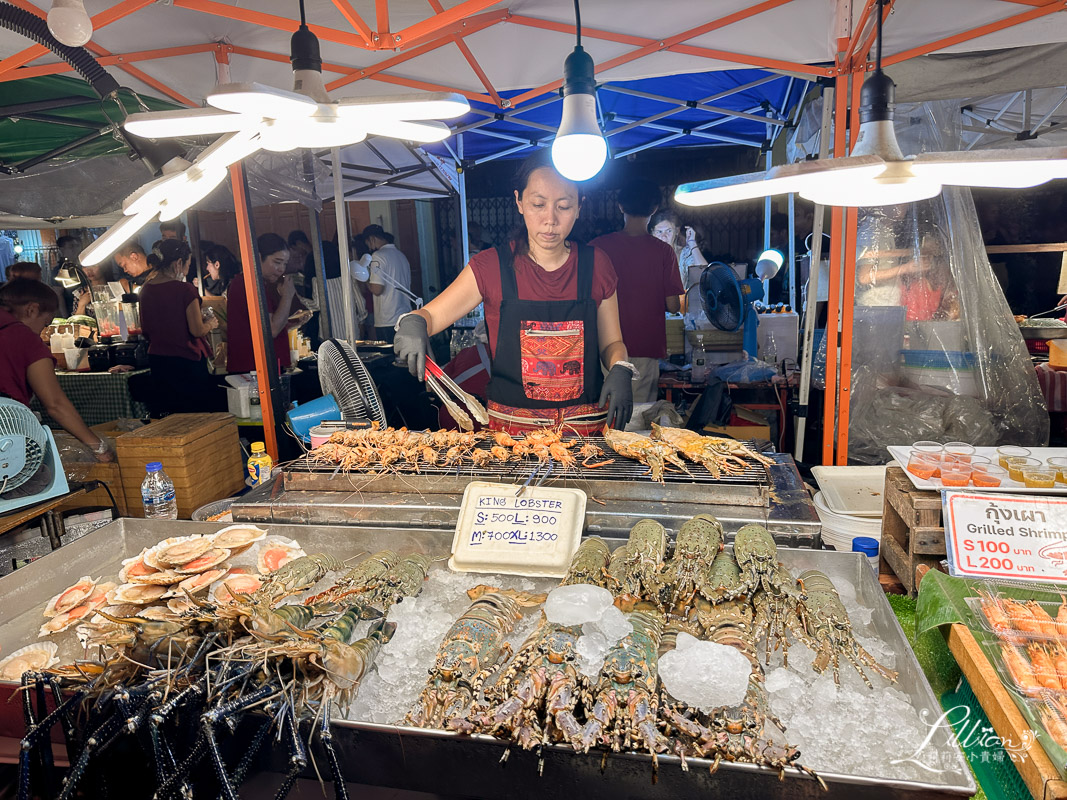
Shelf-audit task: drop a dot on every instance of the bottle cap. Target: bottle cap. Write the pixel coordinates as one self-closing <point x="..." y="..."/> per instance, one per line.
<point x="154" y="466"/>
<point x="865" y="545"/>
<point x="257" y="447"/>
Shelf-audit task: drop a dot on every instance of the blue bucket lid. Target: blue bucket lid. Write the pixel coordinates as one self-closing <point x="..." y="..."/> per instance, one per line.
<point x="865" y="545"/>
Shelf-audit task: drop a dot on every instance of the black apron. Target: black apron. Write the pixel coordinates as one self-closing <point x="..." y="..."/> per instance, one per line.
<point x="547" y="352"/>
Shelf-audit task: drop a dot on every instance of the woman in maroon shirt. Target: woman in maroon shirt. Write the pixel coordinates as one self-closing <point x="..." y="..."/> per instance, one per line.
<point x="172" y="322"/>
<point x="552" y="316"/>
<point x="281" y="299"/>
<point x="26" y="365"/>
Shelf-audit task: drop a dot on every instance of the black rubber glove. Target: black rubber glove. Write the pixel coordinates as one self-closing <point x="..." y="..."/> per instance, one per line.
<point x="411" y="344"/>
<point x="618" y="395"/>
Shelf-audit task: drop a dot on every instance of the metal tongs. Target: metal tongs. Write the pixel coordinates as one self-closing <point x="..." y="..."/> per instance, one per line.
<point x="441" y="384"/>
<point x="1060" y="307"/>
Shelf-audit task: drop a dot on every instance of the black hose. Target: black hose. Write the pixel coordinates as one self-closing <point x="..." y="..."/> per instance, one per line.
<point x="33" y="27"/>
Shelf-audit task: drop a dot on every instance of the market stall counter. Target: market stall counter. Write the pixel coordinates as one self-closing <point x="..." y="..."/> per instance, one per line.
<point x="98" y="396"/>
<point x="387" y="725"/>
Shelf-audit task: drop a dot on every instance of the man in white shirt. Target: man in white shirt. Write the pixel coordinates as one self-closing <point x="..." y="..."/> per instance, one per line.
<point x="388" y="266"/>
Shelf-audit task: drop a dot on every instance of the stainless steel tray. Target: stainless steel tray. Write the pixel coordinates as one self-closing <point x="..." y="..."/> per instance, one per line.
<point x="1043" y="332"/>
<point x="444" y="763"/>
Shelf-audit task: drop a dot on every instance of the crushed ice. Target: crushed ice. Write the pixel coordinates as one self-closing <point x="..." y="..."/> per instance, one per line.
<point x="705" y="675"/>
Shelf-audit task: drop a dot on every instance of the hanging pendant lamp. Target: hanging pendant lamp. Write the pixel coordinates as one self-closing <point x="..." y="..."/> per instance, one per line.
<point x="253" y="117"/>
<point x="877" y="172"/>
<point x="579" y="149"/>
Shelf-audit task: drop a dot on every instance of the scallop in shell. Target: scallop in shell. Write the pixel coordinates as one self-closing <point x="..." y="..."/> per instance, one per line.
<point x="210" y="558"/>
<point x="152" y="556"/>
<point x="238" y="538"/>
<point x="32" y="657"/>
<point x="179" y="605"/>
<point x="137" y="593"/>
<point x="164" y="577"/>
<point x="135" y="567"/>
<point x="198" y="583"/>
<point x="241" y="583"/>
<point x="67" y="619"/>
<point x="183" y="552"/>
<point x="70" y="597"/>
<point x="276" y="552"/>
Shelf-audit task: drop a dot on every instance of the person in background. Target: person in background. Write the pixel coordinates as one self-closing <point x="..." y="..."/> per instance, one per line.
<point x="26" y="366"/>
<point x="131" y="259"/>
<point x="666" y="227"/>
<point x="29" y="270"/>
<point x="649" y="284"/>
<point x="387" y="260"/>
<point x="552" y="314"/>
<point x="222" y="267"/>
<point x="172" y="229"/>
<point x="281" y="301"/>
<point x="173" y="323"/>
<point x="301" y="262"/>
<point x="7" y="255"/>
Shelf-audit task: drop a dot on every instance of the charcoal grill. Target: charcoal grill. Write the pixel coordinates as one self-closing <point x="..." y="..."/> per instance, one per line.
<point x="621" y="493"/>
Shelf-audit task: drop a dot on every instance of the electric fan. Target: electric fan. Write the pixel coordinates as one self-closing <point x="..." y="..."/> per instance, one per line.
<point x="728" y="300"/>
<point x="349" y="393"/>
<point x="30" y="469"/>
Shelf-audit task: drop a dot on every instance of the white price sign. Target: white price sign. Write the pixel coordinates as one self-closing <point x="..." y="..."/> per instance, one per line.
<point x="1006" y="537"/>
<point x="517" y="531"/>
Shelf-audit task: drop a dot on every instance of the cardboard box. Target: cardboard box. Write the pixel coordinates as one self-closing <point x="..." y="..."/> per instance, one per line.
<point x="745" y="423"/>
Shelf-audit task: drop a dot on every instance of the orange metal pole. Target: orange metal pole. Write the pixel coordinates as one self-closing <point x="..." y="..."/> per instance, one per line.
<point x="841" y="98"/>
<point x="356" y="21"/>
<point x="262" y="346"/>
<point x="470" y="59"/>
<point x="848" y="296"/>
<point x="439" y="22"/>
<point x="270" y="21"/>
<point x="381" y="16"/>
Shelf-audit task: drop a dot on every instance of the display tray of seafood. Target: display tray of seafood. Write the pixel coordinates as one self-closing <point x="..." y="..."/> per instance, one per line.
<point x="662" y="665"/>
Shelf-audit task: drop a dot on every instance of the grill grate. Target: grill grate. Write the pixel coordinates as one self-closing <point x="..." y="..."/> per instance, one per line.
<point x="623" y="469"/>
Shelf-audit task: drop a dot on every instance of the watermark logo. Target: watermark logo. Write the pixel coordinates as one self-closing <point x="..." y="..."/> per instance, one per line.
<point x="974" y="737"/>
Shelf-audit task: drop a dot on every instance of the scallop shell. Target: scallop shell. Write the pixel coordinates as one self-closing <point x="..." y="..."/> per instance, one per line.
<point x="151" y="557"/>
<point x="198" y="583"/>
<point x="137" y="593"/>
<point x="67" y="619"/>
<point x="239" y="584"/>
<point x="165" y="577"/>
<point x="35" y="657"/>
<point x="98" y="599"/>
<point x="238" y="538"/>
<point x="211" y="558"/>
<point x="181" y="553"/>
<point x="70" y="597"/>
<point x="179" y="605"/>
<point x="276" y="552"/>
<point x="135" y="567"/>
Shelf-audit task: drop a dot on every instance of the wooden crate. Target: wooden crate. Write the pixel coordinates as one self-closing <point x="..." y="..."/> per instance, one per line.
<point x="199" y="452"/>
<point x="1036" y="769"/>
<point x="912" y="532"/>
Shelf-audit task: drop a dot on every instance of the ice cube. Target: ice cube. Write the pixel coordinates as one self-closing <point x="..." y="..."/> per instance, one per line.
<point x="705" y="675"/>
<point x="577" y="604"/>
<point x="614" y="625"/>
<point x="591" y="649"/>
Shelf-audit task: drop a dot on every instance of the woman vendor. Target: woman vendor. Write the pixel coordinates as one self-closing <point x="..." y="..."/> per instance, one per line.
<point x="281" y="299"/>
<point x="26" y="365"/>
<point x="552" y="317"/>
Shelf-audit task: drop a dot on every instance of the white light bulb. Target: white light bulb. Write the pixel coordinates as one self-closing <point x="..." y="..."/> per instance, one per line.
<point x="897" y="184"/>
<point x="579" y="149"/>
<point x="184" y="122"/>
<point x="770" y="261"/>
<point x="69" y="23"/>
<point x="258" y="100"/>
<point x="113" y="238"/>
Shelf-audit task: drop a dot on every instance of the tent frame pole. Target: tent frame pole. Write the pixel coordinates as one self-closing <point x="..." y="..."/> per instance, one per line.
<point x="340" y="210"/>
<point x="262" y="342"/>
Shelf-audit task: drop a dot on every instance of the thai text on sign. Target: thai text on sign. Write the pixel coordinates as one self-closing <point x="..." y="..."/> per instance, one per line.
<point x="1006" y="537"/>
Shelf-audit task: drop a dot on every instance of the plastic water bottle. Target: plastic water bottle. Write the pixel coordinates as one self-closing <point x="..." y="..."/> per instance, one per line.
<point x="869" y="547"/>
<point x="157" y="493"/>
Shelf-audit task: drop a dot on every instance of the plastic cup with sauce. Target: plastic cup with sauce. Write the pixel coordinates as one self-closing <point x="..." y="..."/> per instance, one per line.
<point x="1058" y="463"/>
<point x="1017" y="465"/>
<point x="955" y="471"/>
<point x="987" y="475"/>
<point x="1039" y="478"/>
<point x="960" y="450"/>
<point x="923" y="465"/>
<point x="1010" y="451"/>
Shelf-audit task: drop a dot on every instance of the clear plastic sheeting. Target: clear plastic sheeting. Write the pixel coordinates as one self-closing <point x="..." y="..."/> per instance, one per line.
<point x="936" y="353"/>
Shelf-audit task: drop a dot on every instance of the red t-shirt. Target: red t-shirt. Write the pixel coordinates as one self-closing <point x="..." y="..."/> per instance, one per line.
<point x="19" y="348"/>
<point x="648" y="273"/>
<point x="240" y="357"/>
<point x="163" y="319"/>
<point x="535" y="283"/>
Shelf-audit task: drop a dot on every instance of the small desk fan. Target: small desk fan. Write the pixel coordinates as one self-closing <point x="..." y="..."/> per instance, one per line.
<point x="30" y="469"/>
<point x="728" y="300"/>
<point x="349" y="393"/>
